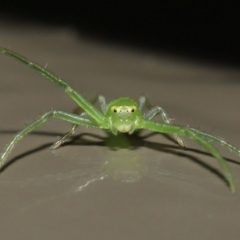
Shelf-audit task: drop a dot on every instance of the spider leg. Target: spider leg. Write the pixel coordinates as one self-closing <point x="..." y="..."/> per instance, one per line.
<point x="86" y="105"/>
<point x="141" y="102"/>
<point x="76" y="119"/>
<point x="198" y="137"/>
<point x="210" y="138"/>
<point x="158" y="110"/>
<point x="102" y="102"/>
<point x="201" y="138"/>
<point x="67" y="135"/>
<point x="77" y="110"/>
<point x="63" y="139"/>
<point x="100" y="99"/>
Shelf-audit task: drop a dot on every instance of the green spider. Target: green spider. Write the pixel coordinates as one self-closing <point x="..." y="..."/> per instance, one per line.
<point x="120" y="115"/>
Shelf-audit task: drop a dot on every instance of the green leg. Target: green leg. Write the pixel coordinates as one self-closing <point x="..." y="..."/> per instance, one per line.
<point x="79" y="120"/>
<point x="103" y="105"/>
<point x="217" y="140"/>
<point x="200" y="137"/>
<point x="61" y="141"/>
<point x="77" y="97"/>
<point x="210" y="148"/>
<point x="142" y="102"/>
<point x="158" y="110"/>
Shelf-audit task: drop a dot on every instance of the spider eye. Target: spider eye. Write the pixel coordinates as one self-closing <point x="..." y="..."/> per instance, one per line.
<point x="133" y="109"/>
<point x="114" y="109"/>
<point x="123" y="109"/>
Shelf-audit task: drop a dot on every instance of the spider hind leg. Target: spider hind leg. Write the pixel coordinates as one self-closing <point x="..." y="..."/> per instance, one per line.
<point x="204" y="140"/>
<point x="61" y="141"/>
<point x="158" y="110"/>
<point x="78" y="110"/>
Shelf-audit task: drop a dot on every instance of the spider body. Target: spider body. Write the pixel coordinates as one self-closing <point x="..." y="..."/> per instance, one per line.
<point x="120" y="115"/>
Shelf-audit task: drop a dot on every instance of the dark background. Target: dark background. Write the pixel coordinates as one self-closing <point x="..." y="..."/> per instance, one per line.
<point x="195" y="30"/>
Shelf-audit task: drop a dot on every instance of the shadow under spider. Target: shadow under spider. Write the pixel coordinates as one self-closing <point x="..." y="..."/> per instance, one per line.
<point x="134" y="141"/>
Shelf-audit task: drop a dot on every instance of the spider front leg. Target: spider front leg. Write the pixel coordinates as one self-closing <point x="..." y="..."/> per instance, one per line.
<point x="201" y="138"/>
<point x="77" y="110"/>
<point x="158" y="110"/>
<point x="72" y="93"/>
<point x="76" y="119"/>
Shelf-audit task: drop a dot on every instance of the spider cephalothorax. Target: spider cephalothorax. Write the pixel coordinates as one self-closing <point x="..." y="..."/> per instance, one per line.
<point x="120" y="115"/>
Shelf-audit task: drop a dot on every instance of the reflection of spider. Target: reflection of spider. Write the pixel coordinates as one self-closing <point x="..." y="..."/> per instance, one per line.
<point x="120" y="115"/>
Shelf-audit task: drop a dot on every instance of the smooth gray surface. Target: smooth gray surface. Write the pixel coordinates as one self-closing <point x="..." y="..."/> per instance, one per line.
<point x="75" y="191"/>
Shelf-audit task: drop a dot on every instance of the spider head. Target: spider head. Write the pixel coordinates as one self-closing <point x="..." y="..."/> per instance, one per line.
<point x="123" y="115"/>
